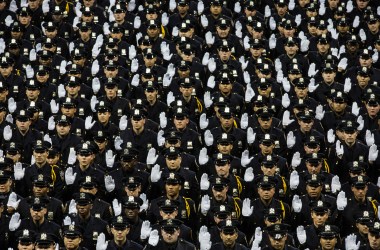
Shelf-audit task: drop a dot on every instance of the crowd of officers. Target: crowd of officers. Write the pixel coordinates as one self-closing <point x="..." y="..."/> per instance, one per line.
<point x="183" y="124"/>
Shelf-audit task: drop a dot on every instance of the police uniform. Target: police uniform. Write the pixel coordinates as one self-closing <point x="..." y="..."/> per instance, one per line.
<point x="77" y="123"/>
<point x="277" y="232"/>
<point x="122" y="223"/>
<point x="13" y="82"/>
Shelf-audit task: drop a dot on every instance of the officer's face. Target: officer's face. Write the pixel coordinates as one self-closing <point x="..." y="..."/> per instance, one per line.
<point x="84" y="210"/>
<point x="186" y="92"/>
<point x="374" y="241"/>
<point x="90" y="190"/>
<point x="225" y="87"/>
<point x="40" y="191"/>
<point x="53" y="160"/>
<point x="169" y="215"/>
<point x="350" y="136"/>
<point x="63" y="129"/>
<point x="373" y="26"/>
<point x="135" y="191"/>
<point x="226" y="122"/>
<point x="119" y="16"/>
<point x="319" y="218"/>
<point x="223" y="33"/>
<point x="362" y="3"/>
<point x="216" y="9"/>
<point x="43" y="247"/>
<point x="38" y="215"/>
<point x="6" y="70"/>
<point x="119" y="234"/>
<point x="266" y="193"/>
<point x="365" y="62"/>
<point x="301" y="92"/>
<point x="229" y="238"/>
<point x="314" y="191"/>
<point x="224" y="55"/>
<point x="265" y="123"/>
<point x="182" y="9"/>
<point x="23" y="125"/>
<point x="153" y="33"/>
<point x="14" y="156"/>
<point x="328" y="243"/>
<point x="170" y="237"/>
<point x="111" y="91"/>
<point x="220" y="194"/>
<point x="312" y="28"/>
<point x="256" y="52"/>
<point x="269" y="170"/>
<point x="25" y="246"/>
<point x="85" y="35"/>
<point x="266" y="149"/>
<point x="222" y="170"/>
<point x="111" y="72"/>
<point x="172" y="189"/>
<point x="88" y="3"/>
<point x="333" y="3"/>
<point x="362" y="228"/>
<point x="85" y="159"/>
<point x="363" y="80"/>
<point x="68" y="111"/>
<point x="278" y="244"/>
<point x="181" y="122"/>
<point x="359" y="192"/>
<point x="40" y="156"/>
<point x="25" y="20"/>
<point x="3" y="94"/>
<point x="372" y="109"/>
<point x="314" y="168"/>
<point x="306" y="126"/>
<point x="72" y="90"/>
<point x="338" y="107"/>
<point x="150" y="62"/>
<point x="131" y="213"/>
<point x="5" y="187"/>
<point x="173" y="162"/>
<point x="291" y="49"/>
<point x="32" y="94"/>
<point x="151" y="96"/>
<point x="51" y="33"/>
<point x="103" y="117"/>
<point x="72" y="242"/>
<point x="225" y="147"/>
<point x="138" y="124"/>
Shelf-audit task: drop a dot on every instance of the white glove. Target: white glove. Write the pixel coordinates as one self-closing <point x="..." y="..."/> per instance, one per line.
<point x="291" y="5"/>
<point x="258" y="237"/>
<point x="54" y="106"/>
<point x="72" y="157"/>
<point x="347" y="85"/>
<point x="14" y="222"/>
<point x="137" y="22"/>
<point x="101" y="243"/>
<point x="375" y="56"/>
<point x="155" y="175"/>
<point x="167" y="80"/>
<point x="319" y="112"/>
<point x="146" y="229"/>
<point x="164" y="19"/>
<point x="88" y="123"/>
<point x="160" y="138"/>
<point x="204" y="239"/>
<point x="335" y="184"/>
<point x="110" y="158"/>
<point x="7" y="133"/>
<point x="330" y="136"/>
<point x="116" y="207"/>
<point x="12" y="106"/>
<point x="171" y="68"/>
<point x="165" y="51"/>
<point x="95" y="85"/>
<point x="172" y="5"/>
<point x="249" y="93"/>
<point x="249" y="175"/>
<point x="339" y="149"/>
<point x="145" y="204"/>
<point x="360" y="120"/>
<point x="286" y="118"/>
<point x="153" y="238"/>
<point x="70" y="176"/>
<point x="19" y="171"/>
<point x="341" y="201"/>
<point x="245" y="160"/>
<point x="247" y="46"/>
<point x="355" y="109"/>
<point x="203" y="157"/>
<point x="211" y="65"/>
<point x="343" y="63"/>
<point x="209" y="138"/>
<point x="9" y="118"/>
<point x="118" y="142"/>
<point x="251" y="136"/>
<point x="170" y="98"/>
<point x="205" y="58"/>
<point x="210" y="39"/>
<point x="13" y="201"/>
<point x="203" y="121"/>
<point x="286" y="84"/>
<point x="312" y="86"/>
<point x="51" y="123"/>
<point x="95" y="67"/>
<point x="163" y="120"/>
<point x="204" y="21"/>
<point x="305" y="44"/>
<point x="373" y="153"/>
<point x="296" y="160"/>
<point x="135" y="80"/>
<point x="205" y="183"/>
<point x="247" y="209"/>
<point x="123" y="123"/>
<point x="175" y="31"/>
<point x="237" y="7"/>
<point x="362" y="35"/>
<point x="151" y="157"/>
<point x="272" y="41"/>
<point x="106" y="29"/>
<point x="67" y="221"/>
<point x="211" y="82"/>
<point x="322" y="10"/>
<point x="301" y="235"/>
<point x="290" y="139"/>
<point x="356" y="22"/>
<point x="350" y="242"/>
<point x="294" y="180"/>
<point x="311" y="72"/>
<point x="369" y="138"/>
<point x="134" y="65"/>
<point x="8" y="20"/>
<point x="200" y="7"/>
<point x="29" y="71"/>
<point x="272" y="23"/>
<point x="296" y="204"/>
<point x="285" y="101"/>
<point x="61" y="91"/>
<point x="244" y="121"/>
<point x="247" y="78"/>
<point x="73" y="207"/>
<point x="109" y="182"/>
<point x="205" y="204"/>
<point x="32" y="55"/>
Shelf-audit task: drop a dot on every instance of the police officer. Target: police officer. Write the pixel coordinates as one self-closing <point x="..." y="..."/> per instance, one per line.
<point x="228" y="235"/>
<point x="278" y="236"/>
<point x="120" y="229"/>
<point x="72" y="237"/>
